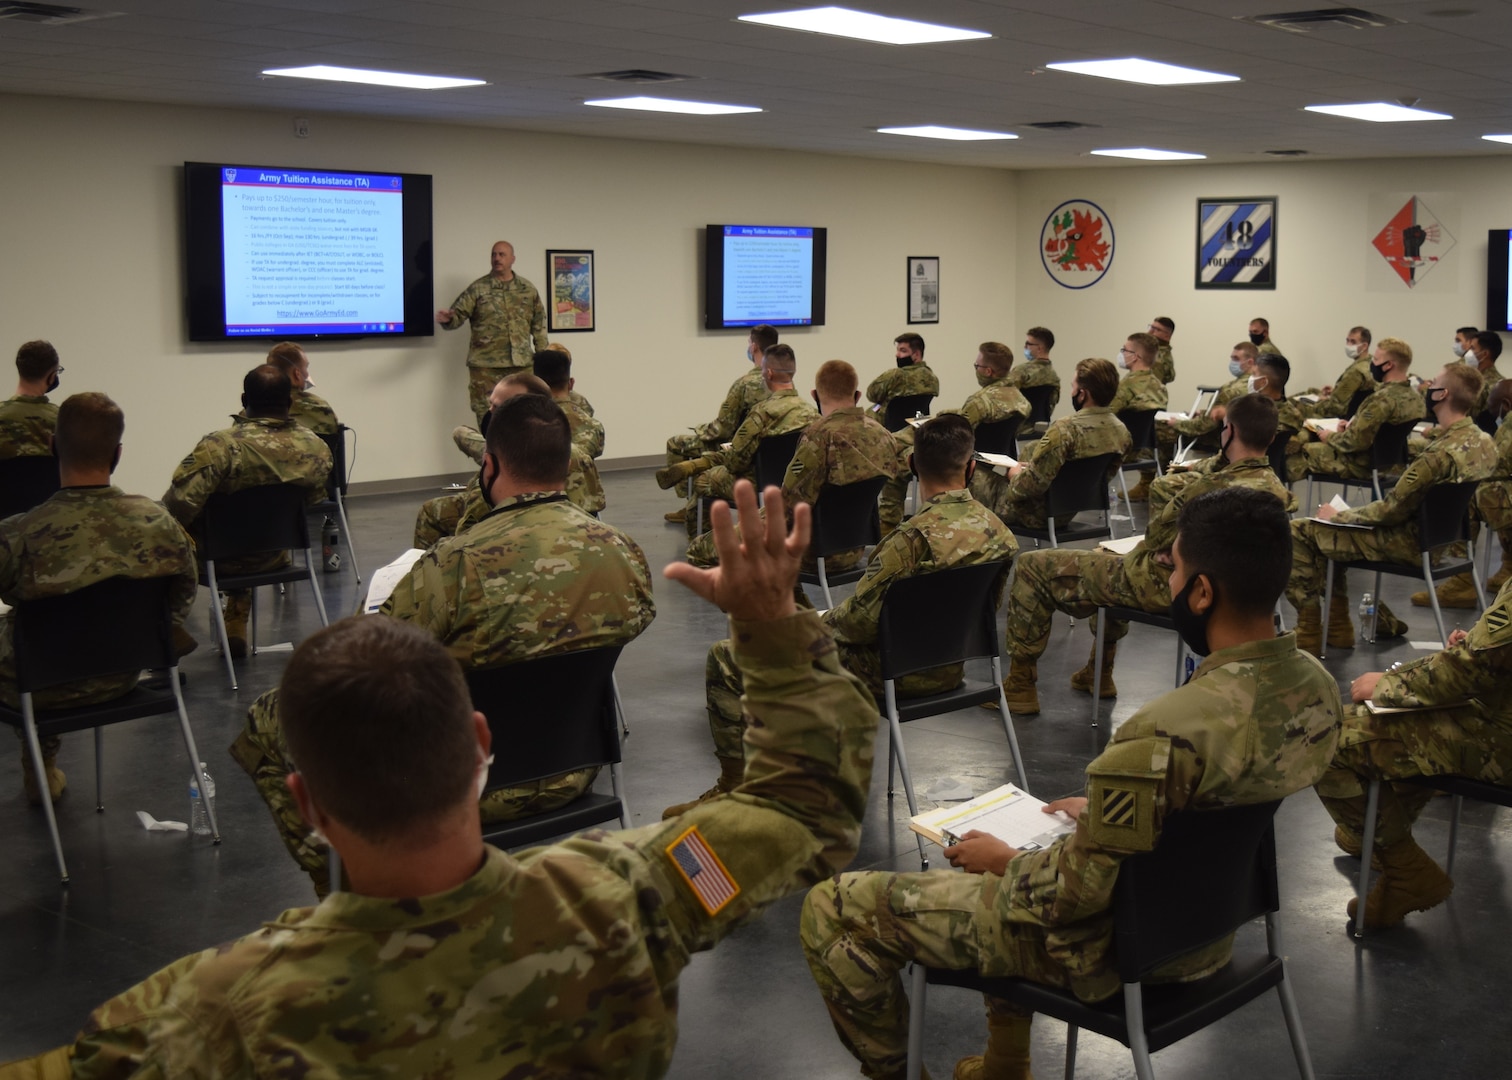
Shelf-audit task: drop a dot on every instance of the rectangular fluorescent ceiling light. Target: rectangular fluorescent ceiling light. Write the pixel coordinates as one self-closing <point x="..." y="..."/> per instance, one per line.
<point x="671" y="105"/>
<point x="843" y="22"/>
<point x="1498" y="138"/>
<point x="935" y="131"/>
<point x="1149" y="72"/>
<point x="1379" y="112"/>
<point x="1144" y="153"/>
<point x="374" y="78"/>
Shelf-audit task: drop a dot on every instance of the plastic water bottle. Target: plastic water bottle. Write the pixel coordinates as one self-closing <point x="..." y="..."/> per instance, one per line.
<point x="199" y="813"/>
<point x="1368" y="617"/>
<point x="330" y="536"/>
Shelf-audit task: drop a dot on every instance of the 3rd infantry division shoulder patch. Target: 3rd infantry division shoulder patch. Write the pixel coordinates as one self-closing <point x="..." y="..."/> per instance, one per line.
<point x="1497" y="619"/>
<point x="1118" y="807"/>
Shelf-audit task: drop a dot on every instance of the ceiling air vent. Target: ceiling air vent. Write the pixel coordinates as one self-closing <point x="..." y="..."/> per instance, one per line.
<point x="1287" y="153"/>
<point x="639" y="76"/>
<point x="50" y="14"/>
<point x="1059" y="125"/>
<point x="1304" y="22"/>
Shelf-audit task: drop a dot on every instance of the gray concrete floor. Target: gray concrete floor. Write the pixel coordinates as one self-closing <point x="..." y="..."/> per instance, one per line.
<point x="1420" y="1001"/>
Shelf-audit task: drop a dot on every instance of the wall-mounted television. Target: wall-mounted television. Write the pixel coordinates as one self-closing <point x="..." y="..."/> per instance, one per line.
<point x="275" y="252"/>
<point x="772" y="274"/>
<point x="1499" y="280"/>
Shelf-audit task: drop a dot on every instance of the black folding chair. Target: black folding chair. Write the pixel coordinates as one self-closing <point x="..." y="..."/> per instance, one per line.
<point x="1443" y="518"/>
<point x="845" y="518"/>
<point x="255" y="521"/>
<point x="928" y="621"/>
<point x="999" y="436"/>
<point x="1141" y="425"/>
<point x="902" y="409"/>
<point x="1081" y="485"/>
<point x="1211" y="872"/>
<point x="1277" y="454"/>
<point x="336" y="489"/>
<point x="116" y="626"/>
<point x="773" y="454"/>
<point x="1387" y="453"/>
<point x="1203" y="401"/>
<point x="1040" y="408"/>
<point x="1356" y="400"/>
<point x="1160" y="619"/>
<point x="26" y="482"/>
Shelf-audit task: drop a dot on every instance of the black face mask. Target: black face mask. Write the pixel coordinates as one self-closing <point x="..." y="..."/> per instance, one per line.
<point x="52" y="382"/>
<point x="1191" y="626"/>
<point x="1223" y="448"/>
<point x="483" y="484"/>
<point x="1435" y="395"/>
<point x="1257" y="339"/>
<point x="905" y="360"/>
<point x="483" y="423"/>
<point x="1078" y="399"/>
<point x="1378" y="372"/>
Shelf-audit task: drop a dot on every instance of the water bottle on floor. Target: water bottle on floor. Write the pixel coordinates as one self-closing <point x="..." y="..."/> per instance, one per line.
<point x="199" y="813"/>
<point x="330" y="536"/>
<point x="1368" y="617"/>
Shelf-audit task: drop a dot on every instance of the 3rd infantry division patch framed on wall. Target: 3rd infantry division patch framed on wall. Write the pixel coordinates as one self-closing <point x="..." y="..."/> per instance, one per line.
<point x="1236" y="243"/>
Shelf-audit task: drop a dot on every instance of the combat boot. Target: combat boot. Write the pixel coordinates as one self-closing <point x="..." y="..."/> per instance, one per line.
<point x="731" y="773"/>
<point x="57" y="783"/>
<point x="183" y="642"/>
<point x="1082" y="680"/>
<point x="1350" y="844"/>
<point x="1141" y="491"/>
<point x="1019" y="688"/>
<point x="1310" y="629"/>
<point x="674" y="474"/>
<point x="1455" y="592"/>
<point x="678" y="516"/>
<point x="1410" y="881"/>
<point x="1007" y="1053"/>
<point x="1498" y="579"/>
<point x="1387" y="624"/>
<point x="1341" y="632"/>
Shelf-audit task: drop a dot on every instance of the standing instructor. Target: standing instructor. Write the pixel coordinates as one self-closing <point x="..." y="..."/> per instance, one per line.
<point x="508" y="325"/>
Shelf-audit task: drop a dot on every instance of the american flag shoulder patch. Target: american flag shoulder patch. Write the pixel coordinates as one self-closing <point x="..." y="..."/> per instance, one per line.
<point x="701" y="869"/>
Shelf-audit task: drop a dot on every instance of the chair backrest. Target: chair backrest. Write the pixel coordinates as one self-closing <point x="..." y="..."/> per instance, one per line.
<point x="1141" y="425"/>
<point x="845" y="516"/>
<point x="1443" y="515"/>
<point x="26" y="482"/>
<point x="1356" y="400"/>
<point x="1040" y="407"/>
<point x="901" y="409"/>
<point x="548" y="715"/>
<point x="254" y="520"/>
<point x="1389" y="450"/>
<point x="1278" y="452"/>
<point x="999" y="436"/>
<point x="1210" y="873"/>
<point x="336" y="440"/>
<point x="940" y="618"/>
<point x="773" y="455"/>
<point x="1081" y="484"/>
<point x="119" y="624"/>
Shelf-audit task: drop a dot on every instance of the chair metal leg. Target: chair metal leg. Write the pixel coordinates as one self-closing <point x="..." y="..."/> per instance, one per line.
<point x="1367" y="848"/>
<point x="99" y="741"/>
<point x="1308" y="506"/>
<point x="1050" y="521"/>
<point x="1375" y="483"/>
<point x="1294" y="1026"/>
<point x="220" y="622"/>
<point x="1139" y="1043"/>
<point x="1128" y="502"/>
<point x="1181" y="651"/>
<point x="895" y="728"/>
<point x="1013" y="746"/>
<point x="1475" y="574"/>
<point x="1454" y="820"/>
<point x="1071" y="1031"/>
<point x="1097" y="658"/>
<point x="1438" y="614"/>
<point x="917" y="989"/>
<point x="34" y="747"/>
<point x="617" y="783"/>
<point x="829" y="601"/>
<point x="619" y="708"/>
<point x="252" y="621"/>
<point x="346" y="530"/>
<point x="315" y="586"/>
<point x="1327" y="599"/>
<point x="194" y="758"/>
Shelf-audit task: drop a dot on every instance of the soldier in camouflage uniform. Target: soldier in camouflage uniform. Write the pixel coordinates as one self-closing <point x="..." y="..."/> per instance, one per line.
<point x="1464" y="728"/>
<point x="1203" y="428"/>
<point x="912" y="375"/>
<point x="1462" y="453"/>
<point x="308" y="410"/>
<point x="740" y="399"/>
<point x="535" y="576"/>
<point x="1161" y="328"/>
<point x="563" y="960"/>
<point x="1079" y="582"/>
<point x="554" y="368"/>
<point x="1334" y="400"/>
<point x="583" y="404"/>
<point x="1487" y="350"/>
<point x="713" y="473"/>
<point x="261" y="447"/>
<point x="1037" y="370"/>
<point x="950" y="529"/>
<point x="1259" y="335"/>
<point x="508" y="325"/>
<point x="1347" y="452"/>
<point x="844" y="446"/>
<point x="27" y="420"/>
<point x="1093" y="430"/>
<point x="996" y="399"/>
<point x="1256" y="722"/>
<point x="1140" y="391"/>
<point x="85" y="533"/>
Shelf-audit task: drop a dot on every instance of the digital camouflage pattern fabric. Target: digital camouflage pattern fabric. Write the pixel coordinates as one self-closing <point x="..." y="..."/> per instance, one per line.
<point x="26" y="426"/>
<point x="1091" y="432"/>
<point x="1351" y="381"/>
<point x="715" y="471"/>
<point x="587" y="432"/>
<point x="1140" y="391"/>
<point x="905" y="381"/>
<point x="508" y="322"/>
<point x="1164" y="366"/>
<point x="562" y="961"/>
<point x="1031" y="373"/>
<point x="1255" y="723"/>
<point x="1347" y="452"/>
<point x="448" y="515"/>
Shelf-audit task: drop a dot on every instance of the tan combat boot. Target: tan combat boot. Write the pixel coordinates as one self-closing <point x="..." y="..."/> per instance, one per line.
<point x="678" y="516"/>
<point x="731" y="773"/>
<point x="1310" y="629"/>
<point x="1410" y="881"/>
<point x="1019" y="688"/>
<point x="57" y="783"/>
<point x="1341" y="632"/>
<point x="1350" y="844"/>
<point x="1082" y="680"/>
<point x="236" y="612"/>
<point x="1498" y="579"/>
<point x="1007" y="1053"/>
<point x="674" y="474"/>
<point x="1455" y="592"/>
<point x="1141" y="491"/>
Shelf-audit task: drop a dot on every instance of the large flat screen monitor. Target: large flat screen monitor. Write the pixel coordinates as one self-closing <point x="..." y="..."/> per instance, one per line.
<point x="755" y="274"/>
<point x="275" y="252"/>
<point x="1498" y="280"/>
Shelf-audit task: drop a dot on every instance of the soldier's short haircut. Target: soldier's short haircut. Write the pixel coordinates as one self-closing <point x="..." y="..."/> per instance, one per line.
<point x="764" y="336"/>
<point x="35" y="360"/>
<point x="379" y="725"/>
<point x="914" y="342"/>
<point x="267" y="391"/>
<point x="1491" y="341"/>
<point x="1043" y="336"/>
<point x="999" y="357"/>
<point x="286" y="355"/>
<point x="89" y="429"/>
<point x="1244" y="348"/>
<point x="532" y="384"/>
<point x="531" y="437"/>
<point x="836" y="379"/>
<point x="1463" y="383"/>
<point x="1398" y="350"/>
<point x="1362" y="332"/>
<point x="1098" y="377"/>
<point x="780" y="360"/>
<point x="942" y="447"/>
<point x="1274" y="367"/>
<point x="553" y="367"/>
<point x="1148" y="344"/>
<point x="559" y="347"/>
<point x="1167" y="322"/>
<point x="1264" y="323"/>
<point x="1468" y="331"/>
<point x="1253" y="420"/>
<point x="1240" y="539"/>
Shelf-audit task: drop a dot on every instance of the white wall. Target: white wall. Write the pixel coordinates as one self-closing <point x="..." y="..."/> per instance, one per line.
<point x="1329" y="278"/>
<point x="91" y="238"/>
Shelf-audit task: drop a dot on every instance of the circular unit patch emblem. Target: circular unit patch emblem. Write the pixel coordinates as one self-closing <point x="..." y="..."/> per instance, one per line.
<point x="1076" y="244"/>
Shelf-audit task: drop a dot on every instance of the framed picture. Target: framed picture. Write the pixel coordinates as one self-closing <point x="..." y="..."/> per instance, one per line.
<point x="569" y="307"/>
<point x="923" y="289"/>
<point x="1236" y="243"/>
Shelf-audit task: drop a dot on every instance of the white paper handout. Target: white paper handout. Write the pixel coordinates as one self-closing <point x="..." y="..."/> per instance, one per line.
<point x="1340" y="505"/>
<point x="1002" y="461"/>
<point x="387" y="578"/>
<point x="1123" y="545"/>
<point x="1324" y="423"/>
<point x="1163" y="415"/>
<point x="1008" y="813"/>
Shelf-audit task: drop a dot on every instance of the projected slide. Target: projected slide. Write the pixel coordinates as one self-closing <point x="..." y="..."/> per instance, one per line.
<point x="312" y="252"/>
<point x="768" y="276"/>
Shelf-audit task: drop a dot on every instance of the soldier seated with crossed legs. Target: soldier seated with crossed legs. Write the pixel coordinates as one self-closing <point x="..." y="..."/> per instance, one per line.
<point x="1257" y="721"/>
